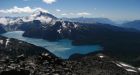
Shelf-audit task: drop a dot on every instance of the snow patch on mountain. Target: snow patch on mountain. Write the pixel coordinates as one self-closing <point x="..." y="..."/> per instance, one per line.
<point x="59" y="31"/>
<point x="1" y="41"/>
<point x="126" y="67"/>
<point x="4" y="20"/>
<point x="64" y="24"/>
<point x="43" y="17"/>
<point x="7" y="41"/>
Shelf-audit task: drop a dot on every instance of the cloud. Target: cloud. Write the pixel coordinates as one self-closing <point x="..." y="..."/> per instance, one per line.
<point x="18" y="10"/>
<point x="3" y="21"/>
<point x="58" y="10"/>
<point x="71" y="13"/>
<point x="76" y="14"/>
<point x="83" y="14"/>
<point x="49" y="1"/>
<point x="64" y="14"/>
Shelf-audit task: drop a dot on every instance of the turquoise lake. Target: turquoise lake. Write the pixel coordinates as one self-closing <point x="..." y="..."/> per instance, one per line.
<point x="61" y="48"/>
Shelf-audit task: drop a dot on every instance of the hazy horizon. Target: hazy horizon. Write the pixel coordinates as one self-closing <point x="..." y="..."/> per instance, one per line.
<point x="113" y="9"/>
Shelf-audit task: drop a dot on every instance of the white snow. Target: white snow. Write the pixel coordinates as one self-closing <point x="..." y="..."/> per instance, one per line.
<point x="101" y="56"/>
<point x="10" y="21"/>
<point x="118" y="65"/>
<point x="1" y="41"/>
<point x="22" y="55"/>
<point x="69" y="30"/>
<point x="4" y="21"/>
<point x="131" y="70"/>
<point x="59" y="31"/>
<point x="126" y="65"/>
<point x="75" y="25"/>
<point x="139" y="69"/>
<point x="45" y="54"/>
<point x="64" y="24"/>
<point x="44" y="19"/>
<point x="34" y="16"/>
<point x="44" y="26"/>
<point x="7" y="41"/>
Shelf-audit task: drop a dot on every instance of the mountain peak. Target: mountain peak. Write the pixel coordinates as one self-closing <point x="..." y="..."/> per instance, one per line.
<point x="39" y="13"/>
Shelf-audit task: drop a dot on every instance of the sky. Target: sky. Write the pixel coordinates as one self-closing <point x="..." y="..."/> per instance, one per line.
<point x="112" y="9"/>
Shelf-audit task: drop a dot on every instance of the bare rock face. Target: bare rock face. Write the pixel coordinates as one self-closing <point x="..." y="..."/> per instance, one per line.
<point x="21" y="58"/>
<point x="100" y="64"/>
<point x="45" y="64"/>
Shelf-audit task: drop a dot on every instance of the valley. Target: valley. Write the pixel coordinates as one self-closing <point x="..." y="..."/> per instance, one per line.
<point x="65" y="38"/>
<point x="69" y="37"/>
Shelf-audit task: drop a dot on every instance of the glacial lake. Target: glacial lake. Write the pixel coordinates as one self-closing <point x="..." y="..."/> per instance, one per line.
<point x="61" y="48"/>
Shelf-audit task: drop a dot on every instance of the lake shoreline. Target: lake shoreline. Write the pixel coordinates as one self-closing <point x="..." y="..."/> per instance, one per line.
<point x="61" y="48"/>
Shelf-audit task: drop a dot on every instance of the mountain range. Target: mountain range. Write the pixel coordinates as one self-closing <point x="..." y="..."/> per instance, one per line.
<point x="132" y="24"/>
<point x="90" y="20"/>
<point x="117" y="42"/>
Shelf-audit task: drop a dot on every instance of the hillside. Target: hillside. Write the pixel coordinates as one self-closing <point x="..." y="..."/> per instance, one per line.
<point x="21" y="58"/>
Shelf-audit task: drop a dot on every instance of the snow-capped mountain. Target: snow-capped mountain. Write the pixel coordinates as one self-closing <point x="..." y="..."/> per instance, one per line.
<point x="6" y="21"/>
<point x="43" y="17"/>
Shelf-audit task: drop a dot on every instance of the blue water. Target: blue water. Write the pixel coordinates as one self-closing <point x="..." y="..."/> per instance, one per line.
<point x="62" y="48"/>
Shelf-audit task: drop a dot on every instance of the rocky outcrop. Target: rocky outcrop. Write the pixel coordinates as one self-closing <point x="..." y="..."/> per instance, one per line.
<point x="100" y="64"/>
<point x="44" y="64"/>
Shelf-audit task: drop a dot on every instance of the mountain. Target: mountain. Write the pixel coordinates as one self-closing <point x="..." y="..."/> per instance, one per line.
<point x="90" y="20"/>
<point x="133" y="24"/>
<point x="16" y="23"/>
<point x="43" y="17"/>
<point x="72" y="30"/>
<point x="21" y="58"/>
<point x="115" y="40"/>
<point x="60" y="30"/>
<point x="119" y="45"/>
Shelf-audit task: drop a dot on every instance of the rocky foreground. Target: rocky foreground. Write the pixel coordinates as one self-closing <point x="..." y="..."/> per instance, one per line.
<point x="21" y="58"/>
